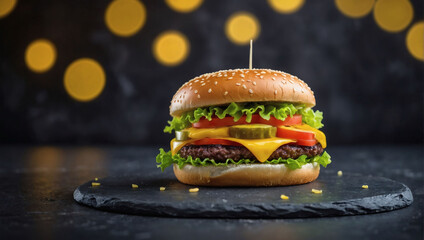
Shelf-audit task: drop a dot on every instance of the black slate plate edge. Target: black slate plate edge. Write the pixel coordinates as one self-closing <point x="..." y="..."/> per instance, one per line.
<point x="377" y="204"/>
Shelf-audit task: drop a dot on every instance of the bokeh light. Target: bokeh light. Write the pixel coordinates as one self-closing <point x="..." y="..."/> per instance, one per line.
<point x="241" y="27"/>
<point x="415" y="40"/>
<point x="286" y="6"/>
<point x="6" y="7"/>
<point x="40" y="55"/>
<point x="84" y="79"/>
<point x="393" y="15"/>
<point x="171" y="48"/>
<point x="125" y="17"/>
<point x="355" y="8"/>
<point x="184" y="6"/>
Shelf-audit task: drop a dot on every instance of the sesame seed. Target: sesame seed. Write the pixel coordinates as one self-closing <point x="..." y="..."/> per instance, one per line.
<point x="302" y="90"/>
<point x="210" y="90"/>
<point x="262" y="76"/>
<point x="191" y="88"/>
<point x="248" y="80"/>
<point x="250" y="91"/>
<point x="290" y="81"/>
<point x="275" y="92"/>
<point x="244" y="86"/>
<point x="226" y="92"/>
<point x="195" y="91"/>
<point x="275" y="74"/>
<point x="254" y="83"/>
<point x="198" y="96"/>
<point x="215" y="82"/>
<point x="273" y="78"/>
<point x="242" y="75"/>
<point x="230" y="78"/>
<point x="203" y="84"/>
<point x="263" y="72"/>
<point x="207" y="77"/>
<point x="242" y="80"/>
<point x="238" y="84"/>
<point x="234" y="73"/>
<point x="196" y="80"/>
<point x="246" y="72"/>
<point x="190" y="84"/>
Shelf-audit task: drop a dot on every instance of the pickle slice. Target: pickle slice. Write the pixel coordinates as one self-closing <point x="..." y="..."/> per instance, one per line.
<point x="182" y="135"/>
<point x="252" y="131"/>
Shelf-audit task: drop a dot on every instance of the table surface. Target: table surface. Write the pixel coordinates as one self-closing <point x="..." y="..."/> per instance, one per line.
<point x="36" y="186"/>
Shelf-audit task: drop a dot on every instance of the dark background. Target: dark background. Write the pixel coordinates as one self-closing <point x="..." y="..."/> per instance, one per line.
<point x="366" y="82"/>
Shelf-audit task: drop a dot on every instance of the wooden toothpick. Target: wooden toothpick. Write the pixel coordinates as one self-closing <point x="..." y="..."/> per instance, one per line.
<point x="250" y="55"/>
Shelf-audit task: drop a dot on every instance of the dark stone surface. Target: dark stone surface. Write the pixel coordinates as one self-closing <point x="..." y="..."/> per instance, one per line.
<point x="36" y="186"/>
<point x="341" y="196"/>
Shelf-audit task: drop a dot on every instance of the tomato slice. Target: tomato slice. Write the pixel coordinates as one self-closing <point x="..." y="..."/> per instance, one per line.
<point x="213" y="141"/>
<point x="295" y="120"/>
<point x="305" y="142"/>
<point x="285" y="132"/>
<point x="229" y="121"/>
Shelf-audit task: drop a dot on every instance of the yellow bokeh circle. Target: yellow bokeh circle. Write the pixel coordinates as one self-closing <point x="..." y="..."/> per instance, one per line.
<point x="6" y="7"/>
<point x="40" y="55"/>
<point x="171" y="48"/>
<point x="286" y="6"/>
<point x="184" y="6"/>
<point x="415" y="40"/>
<point x="393" y="15"/>
<point x="241" y="27"/>
<point x="84" y="79"/>
<point x="355" y="8"/>
<point x="125" y="17"/>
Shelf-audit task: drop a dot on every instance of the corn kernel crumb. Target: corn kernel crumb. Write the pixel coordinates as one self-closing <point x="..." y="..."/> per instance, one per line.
<point x="284" y="197"/>
<point x="162" y="188"/>
<point x="193" y="190"/>
<point x="96" y="179"/>
<point x="339" y="173"/>
<point x="365" y="186"/>
<point x="316" y="191"/>
<point x="95" y="184"/>
<point x="134" y="185"/>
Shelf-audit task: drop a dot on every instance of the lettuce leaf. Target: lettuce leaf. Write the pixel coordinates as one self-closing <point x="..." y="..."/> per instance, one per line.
<point x="237" y="110"/>
<point x="165" y="159"/>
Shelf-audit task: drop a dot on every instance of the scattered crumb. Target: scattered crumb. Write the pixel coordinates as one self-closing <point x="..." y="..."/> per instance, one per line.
<point x="96" y="179"/>
<point x="365" y="186"/>
<point x="134" y="185"/>
<point x="162" y="188"/>
<point x="316" y="191"/>
<point x="95" y="184"/>
<point x="339" y="173"/>
<point x="193" y="190"/>
<point x="284" y="197"/>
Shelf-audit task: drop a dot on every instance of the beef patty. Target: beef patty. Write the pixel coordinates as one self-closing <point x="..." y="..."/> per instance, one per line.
<point x="222" y="152"/>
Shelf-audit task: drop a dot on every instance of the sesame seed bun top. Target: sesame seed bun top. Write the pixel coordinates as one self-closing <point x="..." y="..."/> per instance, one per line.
<point x="240" y="85"/>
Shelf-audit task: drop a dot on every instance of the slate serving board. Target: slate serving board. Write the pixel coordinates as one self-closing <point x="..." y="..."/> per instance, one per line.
<point x="340" y="196"/>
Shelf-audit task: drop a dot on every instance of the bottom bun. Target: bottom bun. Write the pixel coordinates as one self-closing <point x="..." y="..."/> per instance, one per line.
<point x="246" y="175"/>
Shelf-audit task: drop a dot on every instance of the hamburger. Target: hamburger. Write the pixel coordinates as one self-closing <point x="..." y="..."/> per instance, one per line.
<point x="245" y="127"/>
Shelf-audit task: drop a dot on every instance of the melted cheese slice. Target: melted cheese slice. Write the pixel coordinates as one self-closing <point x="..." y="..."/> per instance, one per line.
<point x="261" y="148"/>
